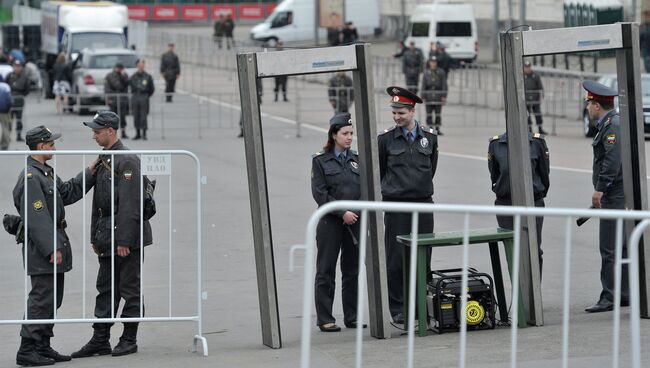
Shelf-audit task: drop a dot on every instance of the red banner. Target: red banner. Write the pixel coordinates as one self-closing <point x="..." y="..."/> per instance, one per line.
<point x="251" y="11"/>
<point x="195" y="12"/>
<point x="270" y="8"/>
<point x="223" y="10"/>
<point x="165" y="12"/>
<point x="139" y="12"/>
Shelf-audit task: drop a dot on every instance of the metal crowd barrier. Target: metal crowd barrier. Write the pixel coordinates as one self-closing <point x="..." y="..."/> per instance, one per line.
<point x="153" y="162"/>
<point x="467" y="211"/>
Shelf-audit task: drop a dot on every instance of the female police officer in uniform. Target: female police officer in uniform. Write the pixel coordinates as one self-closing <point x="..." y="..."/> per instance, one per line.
<point x="335" y="176"/>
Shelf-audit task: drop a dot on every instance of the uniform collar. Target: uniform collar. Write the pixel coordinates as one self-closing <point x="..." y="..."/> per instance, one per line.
<point x="399" y="131"/>
<point x="45" y="168"/>
<point x="503" y="138"/>
<point x="115" y="147"/>
<point x="605" y="117"/>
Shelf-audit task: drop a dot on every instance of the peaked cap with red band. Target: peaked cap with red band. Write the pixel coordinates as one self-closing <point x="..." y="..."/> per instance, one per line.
<point x="599" y="92"/>
<point x="402" y="97"/>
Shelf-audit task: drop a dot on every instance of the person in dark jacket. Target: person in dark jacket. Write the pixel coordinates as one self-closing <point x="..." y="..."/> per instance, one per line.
<point x="219" y="30"/>
<point x="340" y="92"/>
<point x="116" y="88"/>
<point x="408" y="158"/>
<point x="444" y="60"/>
<point x="5" y="117"/>
<point x="47" y="259"/>
<point x="500" y="178"/>
<point x="142" y="88"/>
<point x="335" y="176"/>
<point x="61" y="86"/>
<point x="534" y="91"/>
<point x="170" y="68"/>
<point x="281" y="80"/>
<point x="122" y="244"/>
<point x="19" y="84"/>
<point x="607" y="179"/>
<point x="229" y="27"/>
<point x="434" y="92"/>
<point x="349" y="34"/>
<point x="412" y="65"/>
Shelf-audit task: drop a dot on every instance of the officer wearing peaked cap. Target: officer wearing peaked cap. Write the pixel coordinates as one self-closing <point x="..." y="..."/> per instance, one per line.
<point x="607" y="179"/>
<point x="408" y="157"/>
<point x="44" y="192"/>
<point x="335" y="176"/>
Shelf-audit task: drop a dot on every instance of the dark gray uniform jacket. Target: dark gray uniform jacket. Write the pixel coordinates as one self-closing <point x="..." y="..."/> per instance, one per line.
<point x="533" y="87"/>
<point x="170" y="67"/>
<point x="607" y="167"/>
<point x="341" y="91"/>
<point x="117" y="83"/>
<point x="128" y="194"/>
<point x="19" y="84"/>
<point x="434" y="84"/>
<point x="40" y="214"/>
<point x="333" y="180"/>
<point x="412" y="62"/>
<point x="500" y="170"/>
<point x="407" y="169"/>
<point x="141" y="84"/>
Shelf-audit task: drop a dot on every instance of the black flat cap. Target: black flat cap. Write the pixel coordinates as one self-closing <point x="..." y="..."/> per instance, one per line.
<point x="104" y="119"/>
<point x="402" y="97"/>
<point x="119" y="65"/>
<point x="40" y="134"/>
<point x="342" y="118"/>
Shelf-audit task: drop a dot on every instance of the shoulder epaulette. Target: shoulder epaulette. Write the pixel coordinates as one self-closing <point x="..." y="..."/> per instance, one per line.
<point x="29" y="174"/>
<point x="317" y="154"/>
<point x="494" y="138"/>
<point x="388" y="130"/>
<point x="431" y="131"/>
<point x="354" y="152"/>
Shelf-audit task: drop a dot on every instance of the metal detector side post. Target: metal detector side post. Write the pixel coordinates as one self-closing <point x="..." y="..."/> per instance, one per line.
<point x="259" y="198"/>
<point x="521" y="187"/>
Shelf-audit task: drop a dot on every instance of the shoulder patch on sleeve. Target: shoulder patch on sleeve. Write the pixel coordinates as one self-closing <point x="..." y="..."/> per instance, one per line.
<point x="127" y="174"/>
<point x="29" y="175"/>
<point x="388" y="130"/>
<point x="494" y="138"/>
<point x="431" y="131"/>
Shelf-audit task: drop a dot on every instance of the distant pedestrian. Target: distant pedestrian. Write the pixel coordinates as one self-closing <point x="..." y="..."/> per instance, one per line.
<point x="280" y="81"/>
<point x="644" y="40"/>
<point x="340" y="92"/>
<point x="170" y="68"/>
<point x="444" y="60"/>
<point x="229" y="27"/>
<point x="116" y="88"/>
<point x="5" y="67"/>
<point x="19" y="84"/>
<point x="412" y="64"/>
<point x="61" y="87"/>
<point x="333" y="38"/>
<point x="534" y="91"/>
<point x="5" y="117"/>
<point x="349" y="34"/>
<point x="142" y="88"/>
<point x="219" y="30"/>
<point x="401" y="48"/>
<point x="434" y="92"/>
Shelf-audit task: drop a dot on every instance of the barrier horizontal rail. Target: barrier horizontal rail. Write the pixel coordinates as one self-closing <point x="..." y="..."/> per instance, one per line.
<point x="468" y="210"/>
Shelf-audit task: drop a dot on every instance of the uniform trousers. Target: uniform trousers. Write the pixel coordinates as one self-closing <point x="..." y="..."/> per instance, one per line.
<point x="17" y="113"/>
<point x="40" y="305"/>
<point x="140" y="106"/>
<point x="434" y="107"/>
<point x="127" y="286"/>
<point x="507" y="222"/>
<point x="5" y="131"/>
<point x="612" y="199"/>
<point x="399" y="223"/>
<point x="332" y="238"/>
<point x="120" y="107"/>
<point x="534" y="108"/>
<point x="412" y="82"/>
<point x="170" y="87"/>
<point x="281" y="84"/>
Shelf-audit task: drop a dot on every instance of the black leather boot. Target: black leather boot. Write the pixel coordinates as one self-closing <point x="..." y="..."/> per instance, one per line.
<point x="28" y="357"/>
<point x="276" y="97"/>
<point x="284" y="96"/>
<point x="124" y="136"/>
<point x="144" y="134"/>
<point x="99" y="344"/>
<point x="128" y="341"/>
<point x="137" y="134"/>
<point x="19" y="136"/>
<point x="44" y="348"/>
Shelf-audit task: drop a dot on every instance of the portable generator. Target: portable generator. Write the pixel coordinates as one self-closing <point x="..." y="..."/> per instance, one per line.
<point x="444" y="300"/>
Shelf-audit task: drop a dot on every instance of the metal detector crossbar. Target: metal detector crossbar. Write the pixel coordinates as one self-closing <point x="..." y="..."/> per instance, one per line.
<point x="253" y="66"/>
<point x="622" y="37"/>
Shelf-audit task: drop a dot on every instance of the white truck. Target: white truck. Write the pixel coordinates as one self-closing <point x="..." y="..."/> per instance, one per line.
<point x="70" y="26"/>
<point x="294" y="20"/>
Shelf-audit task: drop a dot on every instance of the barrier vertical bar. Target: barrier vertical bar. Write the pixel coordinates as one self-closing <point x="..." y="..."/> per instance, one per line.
<point x="361" y="287"/>
<point x="567" y="294"/>
<point x="413" y="256"/>
<point x="54" y="252"/>
<point x="463" y="297"/>
<point x="515" y="293"/>
<point x="26" y="234"/>
<point x="617" y="292"/>
<point x="170" y="224"/>
<point x="141" y="223"/>
<point x="83" y="237"/>
<point x="112" y="172"/>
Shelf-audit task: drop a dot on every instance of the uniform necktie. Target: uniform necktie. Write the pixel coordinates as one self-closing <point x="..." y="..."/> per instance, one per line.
<point x="342" y="158"/>
<point x="409" y="136"/>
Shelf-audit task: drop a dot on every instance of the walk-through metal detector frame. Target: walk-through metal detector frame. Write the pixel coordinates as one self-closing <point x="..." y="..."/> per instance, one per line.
<point x="251" y="68"/>
<point x="622" y="37"/>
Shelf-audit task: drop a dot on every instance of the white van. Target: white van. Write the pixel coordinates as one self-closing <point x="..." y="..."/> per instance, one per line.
<point x="453" y="25"/>
<point x="293" y="20"/>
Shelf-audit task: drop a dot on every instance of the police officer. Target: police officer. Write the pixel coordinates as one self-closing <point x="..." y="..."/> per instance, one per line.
<point x="408" y="157"/>
<point x="35" y="349"/>
<point x="19" y="84"/>
<point x="340" y="92"/>
<point x="281" y="80"/>
<point x="534" y="91"/>
<point x="170" y="68"/>
<point x="335" y="176"/>
<point x="434" y="92"/>
<point x="116" y="88"/>
<point x="124" y="171"/>
<point x="412" y="64"/>
<point x="141" y="89"/>
<point x="500" y="178"/>
<point x="607" y="179"/>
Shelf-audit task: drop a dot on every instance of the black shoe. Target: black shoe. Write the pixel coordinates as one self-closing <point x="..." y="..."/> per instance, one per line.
<point x="144" y="137"/>
<point x="541" y="131"/>
<point x="603" y="305"/>
<point x="286" y="99"/>
<point x="354" y="324"/>
<point x="48" y="352"/>
<point x="93" y="348"/>
<point x="125" y="347"/>
<point x="241" y="134"/>
<point x="329" y="327"/>
<point x="398" y="318"/>
<point x="137" y="137"/>
<point x="32" y="359"/>
<point x="124" y="136"/>
<point x="19" y="138"/>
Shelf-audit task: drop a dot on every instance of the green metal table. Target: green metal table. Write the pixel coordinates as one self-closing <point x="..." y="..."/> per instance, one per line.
<point x="490" y="236"/>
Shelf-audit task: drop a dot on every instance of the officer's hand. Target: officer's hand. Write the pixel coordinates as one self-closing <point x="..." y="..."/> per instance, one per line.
<point x="595" y="199"/>
<point x="93" y="166"/>
<point x="123" y="251"/>
<point x="96" y="250"/>
<point x="350" y="218"/>
<point x="59" y="257"/>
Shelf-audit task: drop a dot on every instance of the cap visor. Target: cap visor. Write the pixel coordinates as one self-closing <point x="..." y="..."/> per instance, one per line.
<point x="399" y="105"/>
<point x="93" y="125"/>
<point x="55" y="136"/>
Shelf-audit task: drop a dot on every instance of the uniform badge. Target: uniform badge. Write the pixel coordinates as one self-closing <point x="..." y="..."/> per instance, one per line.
<point x="611" y="138"/>
<point x="144" y="82"/>
<point x="354" y="165"/>
<point x="37" y="205"/>
<point x="29" y="174"/>
<point x="395" y="91"/>
<point x="424" y="142"/>
<point x="127" y="175"/>
<point x="395" y="98"/>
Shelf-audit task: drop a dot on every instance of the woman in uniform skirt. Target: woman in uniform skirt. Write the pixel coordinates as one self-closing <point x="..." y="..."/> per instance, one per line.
<point x="335" y="176"/>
